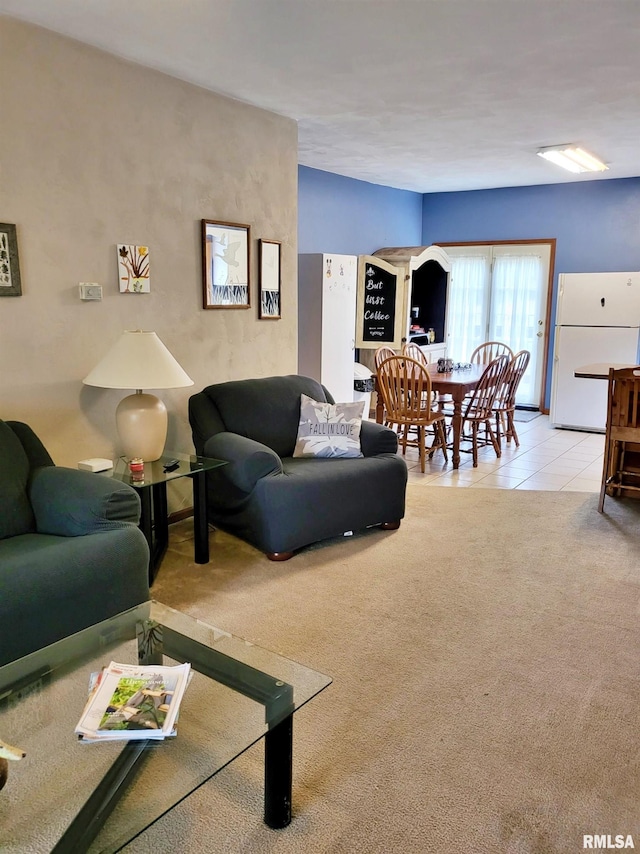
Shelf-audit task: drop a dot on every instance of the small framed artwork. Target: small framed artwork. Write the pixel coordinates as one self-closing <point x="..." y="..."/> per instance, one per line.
<point x="10" y="285"/>
<point x="269" y="251"/>
<point x="133" y="269"/>
<point x="225" y="264"/>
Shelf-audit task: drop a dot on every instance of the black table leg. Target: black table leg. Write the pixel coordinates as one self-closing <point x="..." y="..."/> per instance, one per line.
<point x="146" y="524"/>
<point x="278" y="774"/>
<point x="200" y="526"/>
<point x="86" y="825"/>
<point x="160" y="526"/>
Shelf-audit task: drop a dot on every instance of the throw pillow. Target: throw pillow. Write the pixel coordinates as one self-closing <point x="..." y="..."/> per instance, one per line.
<point x="328" y="429"/>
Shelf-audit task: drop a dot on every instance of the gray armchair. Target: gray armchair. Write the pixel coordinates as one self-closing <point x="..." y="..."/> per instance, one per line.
<point x="71" y="552"/>
<point x="274" y="501"/>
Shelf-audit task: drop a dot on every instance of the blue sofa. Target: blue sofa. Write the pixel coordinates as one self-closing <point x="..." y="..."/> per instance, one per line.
<point x="71" y="552"/>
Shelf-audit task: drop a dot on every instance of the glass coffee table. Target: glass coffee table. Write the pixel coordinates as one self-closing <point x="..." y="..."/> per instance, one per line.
<point x="69" y="797"/>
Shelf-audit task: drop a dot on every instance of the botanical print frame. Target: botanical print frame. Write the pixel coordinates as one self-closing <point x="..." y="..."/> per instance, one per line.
<point x="270" y="279"/>
<point x="10" y="283"/>
<point x="133" y="269"/>
<point x="225" y="264"/>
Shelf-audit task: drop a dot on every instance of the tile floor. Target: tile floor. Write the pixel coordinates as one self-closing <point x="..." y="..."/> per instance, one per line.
<point x="547" y="459"/>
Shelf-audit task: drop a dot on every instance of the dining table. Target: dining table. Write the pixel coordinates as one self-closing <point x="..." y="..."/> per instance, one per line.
<point x="598" y="370"/>
<point x="457" y="383"/>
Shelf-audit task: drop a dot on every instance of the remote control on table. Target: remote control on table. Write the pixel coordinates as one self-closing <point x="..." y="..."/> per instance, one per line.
<point x="172" y="465"/>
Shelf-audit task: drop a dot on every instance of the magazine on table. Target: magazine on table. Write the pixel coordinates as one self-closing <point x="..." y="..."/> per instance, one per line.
<point x="132" y="701"/>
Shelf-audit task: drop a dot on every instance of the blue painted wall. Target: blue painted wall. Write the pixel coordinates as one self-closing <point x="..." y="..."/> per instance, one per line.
<point x="596" y="225"/>
<point x="342" y="215"/>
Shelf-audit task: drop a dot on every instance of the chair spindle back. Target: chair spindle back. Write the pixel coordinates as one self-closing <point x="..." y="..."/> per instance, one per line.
<point x="381" y="354"/>
<point x="405" y="386"/>
<point x="480" y="403"/>
<point x="489" y="351"/>
<point x="414" y="351"/>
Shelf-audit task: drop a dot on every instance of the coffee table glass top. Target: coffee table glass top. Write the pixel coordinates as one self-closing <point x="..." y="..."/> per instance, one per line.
<point x="153" y="472"/>
<point x="238" y="692"/>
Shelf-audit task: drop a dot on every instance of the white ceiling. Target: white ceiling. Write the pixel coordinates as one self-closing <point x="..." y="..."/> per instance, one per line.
<point x="425" y="95"/>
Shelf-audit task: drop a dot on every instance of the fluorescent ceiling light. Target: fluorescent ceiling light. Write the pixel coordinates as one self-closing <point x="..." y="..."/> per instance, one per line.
<point x="573" y="158"/>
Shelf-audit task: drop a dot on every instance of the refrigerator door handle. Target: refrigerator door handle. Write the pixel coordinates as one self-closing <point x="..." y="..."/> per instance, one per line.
<point x="602" y="302"/>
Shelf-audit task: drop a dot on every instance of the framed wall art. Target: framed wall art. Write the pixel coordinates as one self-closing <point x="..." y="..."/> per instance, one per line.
<point x="269" y="264"/>
<point x="133" y="269"/>
<point x="10" y="285"/>
<point x="225" y="264"/>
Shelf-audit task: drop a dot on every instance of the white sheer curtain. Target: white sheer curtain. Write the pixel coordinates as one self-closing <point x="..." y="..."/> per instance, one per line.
<point x="496" y="296"/>
<point x="467" y="305"/>
<point x="515" y="310"/>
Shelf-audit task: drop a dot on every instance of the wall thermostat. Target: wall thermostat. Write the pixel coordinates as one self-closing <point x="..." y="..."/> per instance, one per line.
<point x="90" y="290"/>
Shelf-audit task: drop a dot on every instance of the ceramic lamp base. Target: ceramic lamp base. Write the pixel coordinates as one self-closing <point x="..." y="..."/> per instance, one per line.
<point x="142" y="422"/>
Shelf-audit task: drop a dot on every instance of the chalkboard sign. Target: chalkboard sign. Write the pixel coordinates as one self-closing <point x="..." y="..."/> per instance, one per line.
<point x="378" y="303"/>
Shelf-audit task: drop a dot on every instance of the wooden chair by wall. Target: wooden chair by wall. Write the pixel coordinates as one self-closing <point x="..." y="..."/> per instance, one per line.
<point x="405" y="386"/>
<point x="477" y="409"/>
<point x="621" y="465"/>
<point x="505" y="403"/>
<point x="489" y="351"/>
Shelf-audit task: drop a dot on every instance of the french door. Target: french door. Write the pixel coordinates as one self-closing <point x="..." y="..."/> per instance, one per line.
<point x="500" y="292"/>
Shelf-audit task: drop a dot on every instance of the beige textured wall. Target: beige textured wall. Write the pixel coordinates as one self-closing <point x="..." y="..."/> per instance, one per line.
<point x="96" y="151"/>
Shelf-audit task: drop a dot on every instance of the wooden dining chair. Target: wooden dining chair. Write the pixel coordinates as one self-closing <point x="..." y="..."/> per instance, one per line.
<point x="415" y="351"/>
<point x="621" y="465"/>
<point x="477" y="409"/>
<point x="405" y="386"/>
<point x="489" y="351"/>
<point x="381" y="354"/>
<point x="505" y="402"/>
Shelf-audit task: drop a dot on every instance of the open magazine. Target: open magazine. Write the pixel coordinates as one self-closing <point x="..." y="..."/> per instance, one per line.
<point x="132" y="701"/>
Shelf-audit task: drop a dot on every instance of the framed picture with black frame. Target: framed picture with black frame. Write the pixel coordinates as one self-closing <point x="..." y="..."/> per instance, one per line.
<point x="269" y="252"/>
<point x="10" y="284"/>
<point x="225" y="264"/>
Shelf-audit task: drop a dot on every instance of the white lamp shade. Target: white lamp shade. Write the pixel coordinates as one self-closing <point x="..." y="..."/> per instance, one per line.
<point x="138" y="360"/>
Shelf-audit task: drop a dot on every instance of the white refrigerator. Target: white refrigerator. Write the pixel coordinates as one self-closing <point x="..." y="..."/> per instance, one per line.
<point x="597" y="322"/>
<point x="327" y="289"/>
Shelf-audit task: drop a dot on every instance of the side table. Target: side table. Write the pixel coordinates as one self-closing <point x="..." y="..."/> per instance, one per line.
<point x="152" y="489"/>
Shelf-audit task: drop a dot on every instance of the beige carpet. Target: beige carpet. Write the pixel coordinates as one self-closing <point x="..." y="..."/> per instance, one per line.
<point x="486" y="693"/>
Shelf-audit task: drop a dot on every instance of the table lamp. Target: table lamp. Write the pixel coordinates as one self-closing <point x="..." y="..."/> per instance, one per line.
<point x="140" y="360"/>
